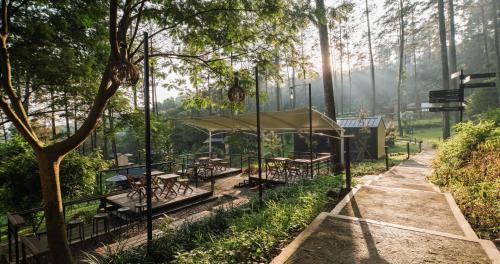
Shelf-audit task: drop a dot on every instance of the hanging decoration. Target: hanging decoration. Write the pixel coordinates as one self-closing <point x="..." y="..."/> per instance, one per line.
<point x="124" y="73"/>
<point x="236" y="94"/>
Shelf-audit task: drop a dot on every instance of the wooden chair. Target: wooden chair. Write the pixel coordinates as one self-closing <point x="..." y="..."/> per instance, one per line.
<point x="35" y="247"/>
<point x="136" y="185"/>
<point x="184" y="185"/>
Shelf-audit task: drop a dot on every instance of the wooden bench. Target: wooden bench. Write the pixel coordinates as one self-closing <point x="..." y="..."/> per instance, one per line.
<point x="35" y="247"/>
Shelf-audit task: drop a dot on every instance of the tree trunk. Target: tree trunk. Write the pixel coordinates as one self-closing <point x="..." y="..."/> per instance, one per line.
<point x="327" y="78"/>
<point x="415" y="83"/>
<point x="350" y="75"/>
<point x="113" y="139"/>
<point x="401" y="62"/>
<point x="53" y="115"/>
<point x="66" y="114"/>
<point x="485" y="38"/>
<point x="453" y="51"/>
<point x="496" y="25"/>
<point x="341" y="56"/>
<point x="105" y="133"/>
<point x="278" y="90"/>
<point x="444" y="65"/>
<point x="54" y="218"/>
<point x="3" y="128"/>
<point x="372" y="66"/>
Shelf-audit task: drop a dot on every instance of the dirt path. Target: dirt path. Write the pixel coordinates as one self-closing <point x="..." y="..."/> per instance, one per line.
<point x="397" y="217"/>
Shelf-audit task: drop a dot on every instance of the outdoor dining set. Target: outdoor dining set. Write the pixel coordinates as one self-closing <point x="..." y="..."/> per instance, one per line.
<point x="291" y="170"/>
<point x="163" y="185"/>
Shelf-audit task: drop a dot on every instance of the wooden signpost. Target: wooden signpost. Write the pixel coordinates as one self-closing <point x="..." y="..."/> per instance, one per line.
<point x="457" y="95"/>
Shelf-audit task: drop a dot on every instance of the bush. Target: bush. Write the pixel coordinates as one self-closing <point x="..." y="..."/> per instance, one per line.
<point x="19" y="174"/>
<point x="241" y="235"/>
<point x="468" y="165"/>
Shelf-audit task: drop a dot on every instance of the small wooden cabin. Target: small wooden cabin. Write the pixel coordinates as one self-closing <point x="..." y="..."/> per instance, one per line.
<point x="375" y="138"/>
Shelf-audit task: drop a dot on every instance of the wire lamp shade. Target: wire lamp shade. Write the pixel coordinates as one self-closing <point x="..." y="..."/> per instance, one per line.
<point x="236" y="94"/>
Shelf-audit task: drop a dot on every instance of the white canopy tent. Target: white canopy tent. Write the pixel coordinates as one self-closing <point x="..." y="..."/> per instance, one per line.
<point x="286" y="121"/>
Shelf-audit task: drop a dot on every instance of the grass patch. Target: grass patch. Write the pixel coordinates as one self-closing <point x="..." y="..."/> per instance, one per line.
<point x="242" y="235"/>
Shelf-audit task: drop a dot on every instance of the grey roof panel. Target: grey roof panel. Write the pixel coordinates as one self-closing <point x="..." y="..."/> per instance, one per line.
<point x="357" y="122"/>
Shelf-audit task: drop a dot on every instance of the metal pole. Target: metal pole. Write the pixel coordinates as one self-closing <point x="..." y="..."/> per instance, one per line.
<point x="386" y="148"/>
<point x="310" y="133"/>
<point x="408" y="150"/>
<point x="347" y="165"/>
<point x="210" y="143"/>
<point x="147" y="135"/>
<point x="462" y="93"/>
<point x="259" y="147"/>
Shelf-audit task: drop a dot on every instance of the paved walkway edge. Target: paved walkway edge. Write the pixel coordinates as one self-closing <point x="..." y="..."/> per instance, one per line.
<point x="487" y="245"/>
<point x="295" y="244"/>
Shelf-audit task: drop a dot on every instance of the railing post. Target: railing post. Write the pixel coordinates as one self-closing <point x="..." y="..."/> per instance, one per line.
<point x="212" y="180"/>
<point x="195" y="168"/>
<point x="408" y="150"/>
<point x="241" y="162"/>
<point x="347" y="164"/>
<point x="386" y="149"/>
<point x="420" y="146"/>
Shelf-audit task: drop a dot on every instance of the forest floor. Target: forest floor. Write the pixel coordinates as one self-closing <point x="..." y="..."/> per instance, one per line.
<point x="396" y="217"/>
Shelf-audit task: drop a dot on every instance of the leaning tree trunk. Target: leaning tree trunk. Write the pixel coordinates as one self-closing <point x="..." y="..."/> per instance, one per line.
<point x="444" y="65"/>
<point x="401" y="63"/>
<point x="327" y="79"/>
<point x="48" y="166"/>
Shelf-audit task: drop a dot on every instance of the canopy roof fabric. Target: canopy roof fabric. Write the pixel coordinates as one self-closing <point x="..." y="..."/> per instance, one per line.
<point x="295" y="120"/>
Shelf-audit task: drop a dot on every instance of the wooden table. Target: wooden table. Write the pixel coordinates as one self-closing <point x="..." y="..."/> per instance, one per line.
<point x="168" y="181"/>
<point x="276" y="167"/>
<point x="204" y="161"/>
<point x="303" y="166"/>
<point x="217" y="164"/>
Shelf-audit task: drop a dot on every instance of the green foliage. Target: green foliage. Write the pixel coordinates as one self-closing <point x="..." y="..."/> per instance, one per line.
<point x="19" y="175"/>
<point x="272" y="144"/>
<point x="481" y="101"/>
<point x="241" y="235"/>
<point x="467" y="165"/>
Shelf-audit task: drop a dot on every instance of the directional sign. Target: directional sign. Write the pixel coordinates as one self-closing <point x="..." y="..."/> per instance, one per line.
<point x="466" y="79"/>
<point x="482" y="75"/>
<point x="446" y="109"/>
<point x="477" y="85"/>
<point x="446" y="96"/>
<point x="454" y="75"/>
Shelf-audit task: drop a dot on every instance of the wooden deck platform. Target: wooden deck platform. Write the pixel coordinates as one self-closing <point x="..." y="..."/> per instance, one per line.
<point x="163" y="203"/>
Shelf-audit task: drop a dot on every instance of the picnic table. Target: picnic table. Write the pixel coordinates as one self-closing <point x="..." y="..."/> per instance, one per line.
<point x="302" y="166"/>
<point x="276" y="167"/>
<point x="168" y="181"/>
<point x="217" y="164"/>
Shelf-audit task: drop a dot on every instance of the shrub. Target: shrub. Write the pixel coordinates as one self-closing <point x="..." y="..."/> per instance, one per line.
<point x="241" y="235"/>
<point x="468" y="165"/>
<point x="19" y="174"/>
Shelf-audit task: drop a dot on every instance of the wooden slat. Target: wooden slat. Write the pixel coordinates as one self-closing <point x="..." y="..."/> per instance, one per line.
<point x="482" y="75"/>
<point x="478" y="85"/>
<point x="446" y="109"/>
<point x="445" y="96"/>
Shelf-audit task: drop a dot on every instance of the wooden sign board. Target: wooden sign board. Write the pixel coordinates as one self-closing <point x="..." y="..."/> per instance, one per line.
<point x="446" y="96"/>
<point x="446" y="109"/>
<point x="477" y="85"/>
